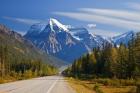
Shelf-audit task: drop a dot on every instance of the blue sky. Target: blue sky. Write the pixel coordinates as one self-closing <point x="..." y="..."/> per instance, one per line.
<point x="111" y="17"/>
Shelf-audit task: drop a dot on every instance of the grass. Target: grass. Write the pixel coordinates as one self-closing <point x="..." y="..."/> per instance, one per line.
<point x="79" y="86"/>
<point x="125" y="89"/>
<point x="102" y="86"/>
<point x="6" y="79"/>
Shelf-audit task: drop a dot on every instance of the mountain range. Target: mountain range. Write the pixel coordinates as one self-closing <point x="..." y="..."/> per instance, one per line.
<point x="69" y="43"/>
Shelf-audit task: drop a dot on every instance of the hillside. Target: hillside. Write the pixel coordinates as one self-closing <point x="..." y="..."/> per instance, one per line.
<point x="17" y="45"/>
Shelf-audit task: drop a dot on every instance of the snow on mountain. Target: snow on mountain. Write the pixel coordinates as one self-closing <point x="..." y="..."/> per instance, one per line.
<point x="38" y="27"/>
<point x="75" y="32"/>
<point x="123" y="38"/>
<point x="52" y="25"/>
<point x="87" y="38"/>
<point x="53" y="22"/>
<point x="55" y="39"/>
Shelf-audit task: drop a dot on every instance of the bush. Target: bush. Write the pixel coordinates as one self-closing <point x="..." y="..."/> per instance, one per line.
<point x="127" y="82"/>
<point x="28" y="74"/>
<point x="116" y="82"/>
<point x="138" y="88"/>
<point x="108" y="82"/>
<point x="102" y="81"/>
<point x="1" y="80"/>
<point x="97" y="88"/>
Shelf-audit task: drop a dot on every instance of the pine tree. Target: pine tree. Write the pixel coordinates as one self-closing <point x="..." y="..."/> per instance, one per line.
<point x="122" y="61"/>
<point x="131" y="59"/>
<point x="137" y="55"/>
<point x="92" y="64"/>
<point x="113" y="56"/>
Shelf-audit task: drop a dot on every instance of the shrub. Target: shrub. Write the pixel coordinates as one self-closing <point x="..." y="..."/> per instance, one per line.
<point x="116" y="82"/>
<point x="1" y="80"/>
<point x="102" y="81"/>
<point x="108" y="82"/>
<point x="128" y="82"/>
<point x="138" y="88"/>
<point x="97" y="88"/>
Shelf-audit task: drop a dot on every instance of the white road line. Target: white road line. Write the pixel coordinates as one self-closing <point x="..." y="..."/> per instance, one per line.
<point x="49" y="90"/>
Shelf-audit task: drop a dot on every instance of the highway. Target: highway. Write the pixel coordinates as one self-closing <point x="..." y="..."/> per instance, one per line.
<point x="48" y="84"/>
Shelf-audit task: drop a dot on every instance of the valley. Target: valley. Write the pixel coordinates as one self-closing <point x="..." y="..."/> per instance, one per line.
<point x="89" y="63"/>
<point x="69" y="46"/>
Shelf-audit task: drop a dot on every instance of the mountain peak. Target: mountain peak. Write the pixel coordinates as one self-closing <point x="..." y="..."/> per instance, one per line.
<point x="129" y="33"/>
<point x="123" y="38"/>
<point x="53" y="22"/>
<point x="52" y="25"/>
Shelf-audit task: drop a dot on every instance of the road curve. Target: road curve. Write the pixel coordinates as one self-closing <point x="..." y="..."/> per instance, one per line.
<point x="49" y="84"/>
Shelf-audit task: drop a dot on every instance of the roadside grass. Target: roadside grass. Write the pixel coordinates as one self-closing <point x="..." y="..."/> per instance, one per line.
<point x="124" y="89"/>
<point x="79" y="86"/>
<point x="116" y="85"/>
<point x="102" y="85"/>
<point x="6" y="79"/>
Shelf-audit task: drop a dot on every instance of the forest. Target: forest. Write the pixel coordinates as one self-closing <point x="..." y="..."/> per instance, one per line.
<point x="111" y="61"/>
<point x="14" y="66"/>
<point x="110" y="69"/>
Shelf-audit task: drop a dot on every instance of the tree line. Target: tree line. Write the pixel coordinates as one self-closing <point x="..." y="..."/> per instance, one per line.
<point x="17" y="66"/>
<point x="111" y="61"/>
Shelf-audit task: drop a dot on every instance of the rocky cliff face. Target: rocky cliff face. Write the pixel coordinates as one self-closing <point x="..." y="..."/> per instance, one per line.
<point x="55" y="39"/>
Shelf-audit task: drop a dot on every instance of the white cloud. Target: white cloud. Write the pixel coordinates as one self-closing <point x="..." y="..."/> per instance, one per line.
<point x="91" y="25"/>
<point x="103" y="19"/>
<point x="105" y="33"/>
<point x="123" y="14"/>
<point x="133" y="5"/>
<point x="22" y="20"/>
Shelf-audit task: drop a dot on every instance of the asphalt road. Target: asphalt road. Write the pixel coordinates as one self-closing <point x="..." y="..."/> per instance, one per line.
<point x="49" y="84"/>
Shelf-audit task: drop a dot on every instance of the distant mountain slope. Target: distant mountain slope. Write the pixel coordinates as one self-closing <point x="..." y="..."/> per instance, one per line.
<point x="67" y="42"/>
<point x="91" y="40"/>
<point x="123" y="38"/>
<point x="22" y="47"/>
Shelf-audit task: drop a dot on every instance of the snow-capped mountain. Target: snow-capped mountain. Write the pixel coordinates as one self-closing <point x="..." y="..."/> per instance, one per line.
<point x="55" y="25"/>
<point x="67" y="42"/>
<point x="54" y="38"/>
<point x="52" y="25"/>
<point x="89" y="39"/>
<point x="123" y="38"/>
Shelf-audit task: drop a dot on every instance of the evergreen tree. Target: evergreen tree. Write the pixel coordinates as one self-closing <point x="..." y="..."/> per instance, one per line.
<point x="137" y="56"/>
<point x="122" y="61"/>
